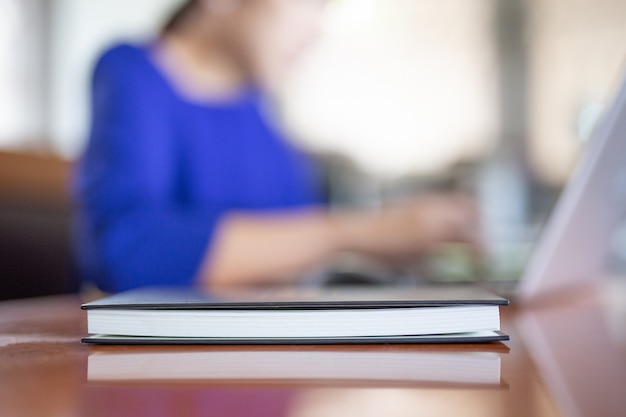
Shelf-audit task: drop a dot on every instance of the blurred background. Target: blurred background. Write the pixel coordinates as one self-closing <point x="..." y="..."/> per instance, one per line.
<point x="493" y="96"/>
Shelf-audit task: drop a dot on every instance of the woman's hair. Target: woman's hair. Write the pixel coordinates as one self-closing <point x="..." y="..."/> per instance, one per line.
<point x="180" y="15"/>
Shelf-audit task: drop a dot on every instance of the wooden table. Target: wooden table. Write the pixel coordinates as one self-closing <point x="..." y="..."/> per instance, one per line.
<point x="568" y="359"/>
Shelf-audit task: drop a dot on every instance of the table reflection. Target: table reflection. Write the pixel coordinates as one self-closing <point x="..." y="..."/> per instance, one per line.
<point x="287" y="380"/>
<point x="374" y="366"/>
<point x="106" y="401"/>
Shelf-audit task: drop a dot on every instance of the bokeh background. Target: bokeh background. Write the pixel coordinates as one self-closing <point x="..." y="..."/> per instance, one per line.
<point x="494" y="96"/>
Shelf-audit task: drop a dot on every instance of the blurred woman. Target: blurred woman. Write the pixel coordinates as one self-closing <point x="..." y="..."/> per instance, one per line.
<point x="186" y="182"/>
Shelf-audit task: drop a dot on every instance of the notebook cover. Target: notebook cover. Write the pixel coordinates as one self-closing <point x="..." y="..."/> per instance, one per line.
<point x="299" y="298"/>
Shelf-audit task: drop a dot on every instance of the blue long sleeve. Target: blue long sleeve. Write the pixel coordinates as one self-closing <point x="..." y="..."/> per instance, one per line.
<point x="159" y="173"/>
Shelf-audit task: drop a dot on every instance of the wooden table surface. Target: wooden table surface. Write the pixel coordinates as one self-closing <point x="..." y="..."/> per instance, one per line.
<point x="567" y="359"/>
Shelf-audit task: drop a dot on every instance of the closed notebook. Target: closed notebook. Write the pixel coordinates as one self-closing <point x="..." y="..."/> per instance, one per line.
<point x="324" y="316"/>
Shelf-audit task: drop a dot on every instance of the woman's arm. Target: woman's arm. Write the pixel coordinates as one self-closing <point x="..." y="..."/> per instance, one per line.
<point x="273" y="248"/>
<point x="252" y="249"/>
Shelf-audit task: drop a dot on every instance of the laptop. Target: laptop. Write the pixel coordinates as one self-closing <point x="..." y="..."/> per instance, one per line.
<point x="573" y="249"/>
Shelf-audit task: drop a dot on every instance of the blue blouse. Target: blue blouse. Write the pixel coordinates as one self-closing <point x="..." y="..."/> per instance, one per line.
<point x="160" y="171"/>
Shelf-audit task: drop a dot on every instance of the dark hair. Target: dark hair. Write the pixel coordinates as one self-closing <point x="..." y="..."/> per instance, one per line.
<point x="179" y="16"/>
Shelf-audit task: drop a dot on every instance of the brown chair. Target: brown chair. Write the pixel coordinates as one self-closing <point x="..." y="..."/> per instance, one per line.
<point x="35" y="217"/>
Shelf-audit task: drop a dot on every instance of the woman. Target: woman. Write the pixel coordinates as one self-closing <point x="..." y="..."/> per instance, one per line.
<point x="185" y="182"/>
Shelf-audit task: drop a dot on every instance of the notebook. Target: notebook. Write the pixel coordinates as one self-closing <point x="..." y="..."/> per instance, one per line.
<point x="297" y="316"/>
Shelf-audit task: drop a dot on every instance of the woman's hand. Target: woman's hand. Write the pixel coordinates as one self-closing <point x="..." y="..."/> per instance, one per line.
<point x="412" y="228"/>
